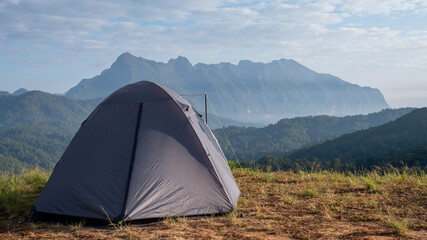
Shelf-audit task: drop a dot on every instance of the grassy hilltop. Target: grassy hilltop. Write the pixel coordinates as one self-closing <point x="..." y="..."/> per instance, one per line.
<point x="275" y="205"/>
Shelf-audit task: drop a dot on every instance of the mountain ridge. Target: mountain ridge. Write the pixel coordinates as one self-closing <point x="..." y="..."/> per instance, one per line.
<point x="248" y="92"/>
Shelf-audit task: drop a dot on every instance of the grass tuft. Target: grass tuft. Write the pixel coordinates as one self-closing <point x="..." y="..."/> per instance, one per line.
<point x="370" y="184"/>
<point x="310" y="193"/>
<point x="268" y="177"/>
<point x="288" y="199"/>
<point x="400" y="225"/>
<point x="77" y="225"/>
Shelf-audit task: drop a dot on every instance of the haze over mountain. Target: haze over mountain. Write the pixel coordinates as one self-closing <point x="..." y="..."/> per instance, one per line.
<point x="248" y="91"/>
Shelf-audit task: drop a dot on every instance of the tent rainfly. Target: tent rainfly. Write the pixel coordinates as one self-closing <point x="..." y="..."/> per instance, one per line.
<point x="143" y="153"/>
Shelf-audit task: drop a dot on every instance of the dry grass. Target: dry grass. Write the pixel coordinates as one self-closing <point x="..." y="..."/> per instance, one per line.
<point x="280" y="205"/>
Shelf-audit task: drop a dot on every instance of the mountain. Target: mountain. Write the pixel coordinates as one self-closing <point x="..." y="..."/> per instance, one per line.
<point x="19" y="92"/>
<point x="44" y="109"/>
<point x="248" y="91"/>
<point x="288" y="135"/>
<point x="401" y="141"/>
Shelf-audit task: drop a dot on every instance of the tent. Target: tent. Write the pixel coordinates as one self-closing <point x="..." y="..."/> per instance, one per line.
<point x="143" y="153"/>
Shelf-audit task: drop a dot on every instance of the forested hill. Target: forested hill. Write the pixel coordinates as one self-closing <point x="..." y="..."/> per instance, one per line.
<point x="403" y="141"/>
<point x="43" y="109"/>
<point x="32" y="146"/>
<point x="36" y="127"/>
<point x="291" y="134"/>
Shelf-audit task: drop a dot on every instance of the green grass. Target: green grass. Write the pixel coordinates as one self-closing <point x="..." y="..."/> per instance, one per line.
<point x="370" y="184"/>
<point x="310" y="193"/>
<point x="366" y="203"/>
<point x="18" y="193"/>
<point x="77" y="225"/>
<point x="400" y="225"/>
<point x="268" y="177"/>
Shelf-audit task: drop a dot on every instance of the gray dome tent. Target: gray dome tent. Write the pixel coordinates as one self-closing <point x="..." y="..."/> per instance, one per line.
<point x="142" y="153"/>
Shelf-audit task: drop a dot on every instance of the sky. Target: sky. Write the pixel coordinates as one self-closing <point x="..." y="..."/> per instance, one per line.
<point x="51" y="45"/>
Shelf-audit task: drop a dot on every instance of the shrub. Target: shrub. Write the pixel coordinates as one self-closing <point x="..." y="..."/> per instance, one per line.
<point x="232" y="164"/>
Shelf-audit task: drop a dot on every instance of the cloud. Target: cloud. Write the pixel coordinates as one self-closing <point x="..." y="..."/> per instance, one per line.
<point x="321" y="34"/>
<point x="367" y="7"/>
<point x="39" y="62"/>
<point x="208" y="31"/>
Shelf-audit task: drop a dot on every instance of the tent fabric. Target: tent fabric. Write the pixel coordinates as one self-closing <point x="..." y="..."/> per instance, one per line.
<point x="143" y="153"/>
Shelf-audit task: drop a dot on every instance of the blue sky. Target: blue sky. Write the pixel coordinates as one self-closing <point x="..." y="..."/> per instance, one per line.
<point x="52" y="45"/>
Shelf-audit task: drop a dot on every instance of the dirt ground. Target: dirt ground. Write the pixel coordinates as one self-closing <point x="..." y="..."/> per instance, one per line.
<point x="280" y="205"/>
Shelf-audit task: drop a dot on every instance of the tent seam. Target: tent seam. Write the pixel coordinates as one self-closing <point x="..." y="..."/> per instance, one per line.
<point x="132" y="161"/>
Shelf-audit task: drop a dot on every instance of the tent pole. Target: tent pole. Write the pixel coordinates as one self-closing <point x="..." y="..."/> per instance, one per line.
<point x="206" y="108"/>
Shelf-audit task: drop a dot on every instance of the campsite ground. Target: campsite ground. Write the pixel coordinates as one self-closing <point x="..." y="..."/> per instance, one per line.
<point x="278" y="205"/>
